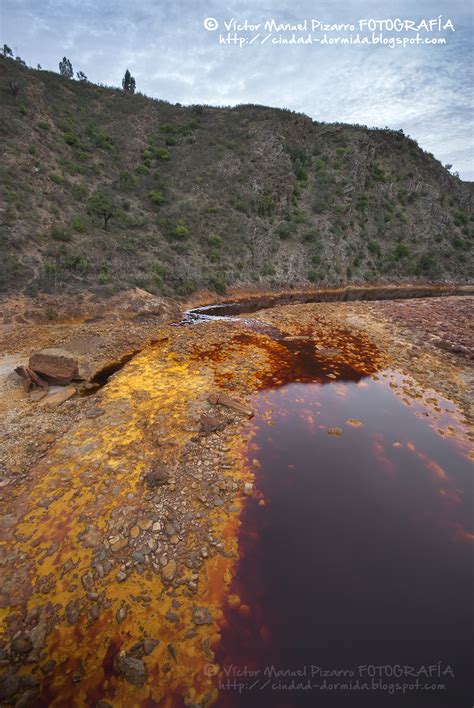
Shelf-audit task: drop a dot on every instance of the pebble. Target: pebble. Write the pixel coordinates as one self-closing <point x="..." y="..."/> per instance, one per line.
<point x="121" y="614"/>
<point x="201" y="615"/>
<point x="169" y="571"/>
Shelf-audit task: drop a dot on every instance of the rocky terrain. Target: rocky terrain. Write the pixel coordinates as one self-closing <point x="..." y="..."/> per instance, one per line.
<point x="104" y="191"/>
<point x="121" y="508"/>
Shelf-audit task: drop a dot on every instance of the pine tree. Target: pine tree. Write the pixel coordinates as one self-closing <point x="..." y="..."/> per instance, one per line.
<point x="65" y="68"/>
<point x="128" y="83"/>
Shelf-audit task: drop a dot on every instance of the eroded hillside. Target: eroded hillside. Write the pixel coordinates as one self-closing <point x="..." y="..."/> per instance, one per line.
<point x="209" y="197"/>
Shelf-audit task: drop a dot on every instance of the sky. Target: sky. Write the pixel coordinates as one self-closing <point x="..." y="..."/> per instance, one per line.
<point x="180" y="52"/>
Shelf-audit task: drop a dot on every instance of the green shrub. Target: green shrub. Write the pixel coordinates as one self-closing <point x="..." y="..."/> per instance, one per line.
<point x="78" y="263"/>
<point x="142" y="170"/>
<point x="180" y="231"/>
<point x="156" y="197"/>
<point x="42" y="125"/>
<point x="162" y="154"/>
<point x="78" y="225"/>
<point x="286" y="230"/>
<point x="79" y="190"/>
<point x="217" y="283"/>
<point x="214" y="241"/>
<point x="425" y="265"/>
<point x="313" y="276"/>
<point x="71" y="138"/>
<point x="60" y="233"/>
<point x="127" y="182"/>
<point x="401" y="251"/>
<point x="57" y="179"/>
<point x="374" y="248"/>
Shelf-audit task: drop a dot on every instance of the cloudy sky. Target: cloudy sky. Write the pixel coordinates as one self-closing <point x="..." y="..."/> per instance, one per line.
<point x="423" y="88"/>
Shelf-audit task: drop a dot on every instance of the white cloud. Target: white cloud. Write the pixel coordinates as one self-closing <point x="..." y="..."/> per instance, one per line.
<point x="424" y="90"/>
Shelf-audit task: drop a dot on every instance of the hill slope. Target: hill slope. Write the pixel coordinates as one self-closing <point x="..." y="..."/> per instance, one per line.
<point x="204" y="197"/>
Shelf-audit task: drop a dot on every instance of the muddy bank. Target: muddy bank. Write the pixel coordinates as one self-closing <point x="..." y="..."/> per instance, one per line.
<point x="246" y="305"/>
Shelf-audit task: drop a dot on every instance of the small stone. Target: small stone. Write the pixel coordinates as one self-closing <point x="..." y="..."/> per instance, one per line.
<point x="121" y="614"/>
<point x="201" y="615"/>
<point x="87" y="581"/>
<point x="334" y="431"/>
<point x="145" y="524"/>
<point x="172" y="617"/>
<point x="95" y="611"/>
<point x="134" y="532"/>
<point x="248" y="489"/>
<point x="156" y="526"/>
<point x="149" y="644"/>
<point x="133" y="669"/>
<point x="156" y="477"/>
<point x="169" y="571"/>
<point x="22" y="645"/>
<point x="118" y="544"/>
<point x="121" y="576"/>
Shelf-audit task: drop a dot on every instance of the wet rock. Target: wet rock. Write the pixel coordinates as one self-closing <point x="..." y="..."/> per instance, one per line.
<point x="9" y="686"/>
<point x="132" y="669"/>
<point x="169" y="571"/>
<point x="149" y="644"/>
<point x="48" y="667"/>
<point x="22" y="645"/>
<point x="121" y="614"/>
<point x="94" y="611"/>
<point x="201" y="615"/>
<point x="248" y="489"/>
<point x="157" y="476"/>
<point x="172" y="617"/>
<point x="334" y="431"/>
<point x="87" y="581"/>
<point x="72" y="612"/>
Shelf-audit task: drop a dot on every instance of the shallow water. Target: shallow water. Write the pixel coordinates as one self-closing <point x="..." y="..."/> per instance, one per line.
<point x="355" y="549"/>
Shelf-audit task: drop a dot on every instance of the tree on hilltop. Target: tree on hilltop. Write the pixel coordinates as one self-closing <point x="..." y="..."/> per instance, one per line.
<point x="65" y="68"/>
<point x="128" y="83"/>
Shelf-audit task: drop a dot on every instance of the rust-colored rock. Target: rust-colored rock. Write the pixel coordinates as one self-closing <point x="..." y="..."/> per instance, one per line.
<point x="223" y="400"/>
<point x="55" y="365"/>
<point x="55" y="399"/>
<point x="157" y="476"/>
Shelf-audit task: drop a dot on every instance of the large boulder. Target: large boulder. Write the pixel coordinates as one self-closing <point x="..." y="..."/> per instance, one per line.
<point x="55" y="365"/>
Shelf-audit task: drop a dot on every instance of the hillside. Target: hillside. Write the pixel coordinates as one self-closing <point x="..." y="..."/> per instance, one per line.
<point x="209" y="197"/>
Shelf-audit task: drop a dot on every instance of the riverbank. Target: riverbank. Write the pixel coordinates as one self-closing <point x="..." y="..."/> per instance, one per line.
<point x="122" y="508"/>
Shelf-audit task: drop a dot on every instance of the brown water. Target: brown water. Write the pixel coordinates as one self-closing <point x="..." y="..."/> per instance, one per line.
<point x="355" y="549"/>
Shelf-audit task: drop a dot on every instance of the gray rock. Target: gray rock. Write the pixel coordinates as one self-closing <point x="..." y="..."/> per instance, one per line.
<point x="132" y="669"/>
<point x="201" y="615"/>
